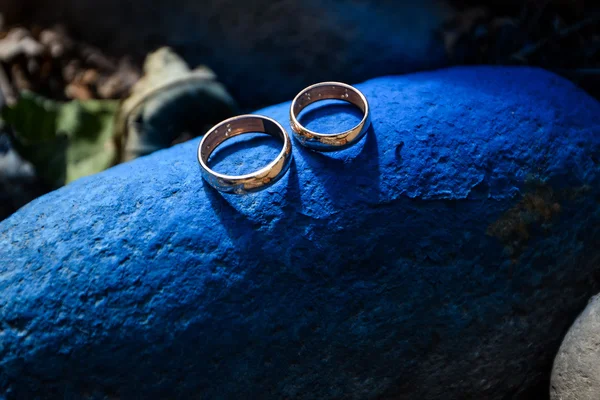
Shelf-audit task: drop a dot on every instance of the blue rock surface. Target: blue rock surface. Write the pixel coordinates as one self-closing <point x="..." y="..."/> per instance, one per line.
<point x="442" y="257"/>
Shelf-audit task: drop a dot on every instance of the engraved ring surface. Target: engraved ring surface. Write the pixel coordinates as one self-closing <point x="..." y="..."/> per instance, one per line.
<point x="255" y="181"/>
<point x="324" y="91"/>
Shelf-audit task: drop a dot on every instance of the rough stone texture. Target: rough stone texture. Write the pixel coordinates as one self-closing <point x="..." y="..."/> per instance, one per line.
<point x="441" y="258"/>
<point x="264" y="51"/>
<point x="576" y="371"/>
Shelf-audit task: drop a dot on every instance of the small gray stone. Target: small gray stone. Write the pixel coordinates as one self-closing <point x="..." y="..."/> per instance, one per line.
<point x="576" y="371"/>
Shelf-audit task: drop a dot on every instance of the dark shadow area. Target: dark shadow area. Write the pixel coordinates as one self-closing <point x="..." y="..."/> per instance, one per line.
<point x="240" y="227"/>
<point x="18" y="183"/>
<point x="351" y="174"/>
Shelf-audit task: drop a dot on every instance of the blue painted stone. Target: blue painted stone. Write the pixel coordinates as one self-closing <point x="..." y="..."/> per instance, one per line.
<point x="442" y="257"/>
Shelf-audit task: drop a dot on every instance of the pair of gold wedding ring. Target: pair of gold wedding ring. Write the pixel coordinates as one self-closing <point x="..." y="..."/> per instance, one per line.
<point x="276" y="169"/>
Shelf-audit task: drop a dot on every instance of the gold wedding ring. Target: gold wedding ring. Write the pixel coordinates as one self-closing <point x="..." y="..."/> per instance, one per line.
<point x="325" y="91"/>
<point x="254" y="181"/>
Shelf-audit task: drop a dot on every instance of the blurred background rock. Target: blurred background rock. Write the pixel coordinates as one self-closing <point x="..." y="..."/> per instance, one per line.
<point x="258" y="52"/>
<point x="264" y="51"/>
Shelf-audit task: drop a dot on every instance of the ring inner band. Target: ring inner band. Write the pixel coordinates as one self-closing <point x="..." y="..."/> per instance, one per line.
<point x="236" y="128"/>
<point x="328" y="92"/>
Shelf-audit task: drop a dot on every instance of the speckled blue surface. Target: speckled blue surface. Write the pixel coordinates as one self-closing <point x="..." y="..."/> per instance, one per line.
<point x="443" y="256"/>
